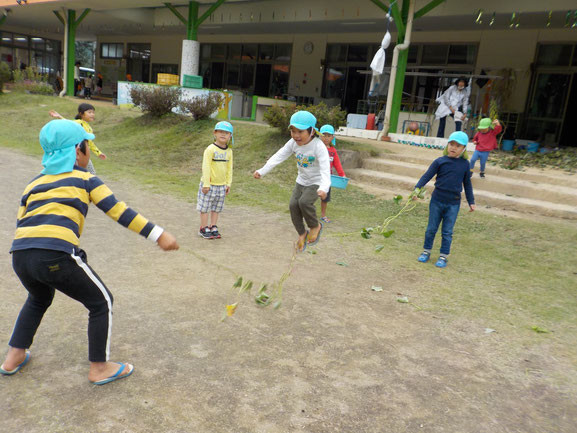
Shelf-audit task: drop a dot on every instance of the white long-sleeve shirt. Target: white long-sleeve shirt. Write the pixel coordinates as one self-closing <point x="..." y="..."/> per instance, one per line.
<point x="313" y="163"/>
<point x="452" y="98"/>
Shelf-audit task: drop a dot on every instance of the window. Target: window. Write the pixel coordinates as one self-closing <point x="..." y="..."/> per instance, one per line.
<point x="336" y="52"/>
<point x="435" y="54"/>
<point x="111" y="51"/>
<point x="358" y="53"/>
<point x="462" y="54"/>
<point x="554" y="55"/>
<point x="260" y="69"/>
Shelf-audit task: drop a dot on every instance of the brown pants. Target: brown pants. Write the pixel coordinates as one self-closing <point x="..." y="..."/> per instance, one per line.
<point x="302" y="205"/>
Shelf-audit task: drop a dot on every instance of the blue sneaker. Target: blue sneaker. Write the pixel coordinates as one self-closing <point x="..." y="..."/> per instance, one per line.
<point x="424" y="257"/>
<point x="442" y="262"/>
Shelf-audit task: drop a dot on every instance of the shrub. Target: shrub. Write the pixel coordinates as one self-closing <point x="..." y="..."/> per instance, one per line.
<point x="157" y="101"/>
<point x="202" y="107"/>
<point x="32" y="81"/>
<point x="279" y="116"/>
<point x="4" y="74"/>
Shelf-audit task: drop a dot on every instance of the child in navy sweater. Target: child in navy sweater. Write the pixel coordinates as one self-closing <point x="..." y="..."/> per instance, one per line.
<point x="453" y="173"/>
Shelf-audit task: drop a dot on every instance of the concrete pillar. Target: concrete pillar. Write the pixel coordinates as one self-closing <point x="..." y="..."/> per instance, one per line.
<point x="190" y="59"/>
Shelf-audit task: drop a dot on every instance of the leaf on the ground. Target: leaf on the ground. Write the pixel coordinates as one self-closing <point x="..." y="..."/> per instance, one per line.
<point x="237" y="283"/>
<point x="489" y="330"/>
<point x="388" y="233"/>
<point x="398" y="199"/>
<point x="403" y="299"/>
<point x="540" y="330"/>
<point x="377" y="289"/>
<point x="312" y="251"/>
<point x="230" y="309"/>
<point x="246" y="288"/>
<point x="342" y="264"/>
<point x="379" y="248"/>
<point x="262" y="289"/>
<point x="262" y="298"/>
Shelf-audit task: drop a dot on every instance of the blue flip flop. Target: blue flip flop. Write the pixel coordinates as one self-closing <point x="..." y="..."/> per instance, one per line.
<point x="304" y="244"/>
<point x="316" y="241"/>
<point x="18" y="368"/>
<point x="116" y="376"/>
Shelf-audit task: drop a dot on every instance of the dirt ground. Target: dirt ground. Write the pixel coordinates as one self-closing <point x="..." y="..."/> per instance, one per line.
<point x="336" y="357"/>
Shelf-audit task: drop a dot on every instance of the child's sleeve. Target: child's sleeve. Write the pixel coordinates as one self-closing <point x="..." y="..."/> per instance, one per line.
<point x="104" y="200"/>
<point x="476" y="138"/>
<point x="229" y="170"/>
<point x="337" y="164"/>
<point x="468" y="186"/>
<point x="206" y="162"/>
<point x="324" y="167"/>
<point x="95" y="150"/>
<point x="431" y="171"/>
<point x="281" y="155"/>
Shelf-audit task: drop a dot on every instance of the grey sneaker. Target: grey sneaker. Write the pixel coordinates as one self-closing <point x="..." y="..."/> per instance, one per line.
<point x="215" y="233"/>
<point x="205" y="233"/>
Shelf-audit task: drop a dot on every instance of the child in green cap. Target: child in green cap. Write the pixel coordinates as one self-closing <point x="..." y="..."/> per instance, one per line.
<point x="486" y="141"/>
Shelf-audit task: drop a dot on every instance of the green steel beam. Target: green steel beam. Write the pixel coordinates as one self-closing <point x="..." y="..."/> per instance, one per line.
<point x="398" y="90"/>
<point x="60" y="17"/>
<point x="428" y="8"/>
<point x="72" y="24"/>
<point x="193" y="22"/>
<point x="71" y="55"/>
<point x="81" y="17"/>
<point x="395" y="12"/>
<point x="2" y="19"/>
<point x="192" y="27"/>
<point x="405" y="10"/>
<point x="175" y="12"/>
<point x="210" y="10"/>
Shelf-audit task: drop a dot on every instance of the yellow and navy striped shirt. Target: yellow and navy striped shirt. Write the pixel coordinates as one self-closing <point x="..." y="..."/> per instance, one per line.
<point x="53" y="208"/>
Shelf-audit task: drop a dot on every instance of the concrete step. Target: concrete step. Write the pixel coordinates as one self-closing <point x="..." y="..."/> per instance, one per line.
<point x="509" y="202"/>
<point x="494" y="182"/>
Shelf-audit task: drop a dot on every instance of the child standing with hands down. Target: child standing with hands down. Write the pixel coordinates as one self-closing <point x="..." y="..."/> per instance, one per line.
<point x="453" y="173"/>
<point x="216" y="180"/>
<point x="486" y="141"/>
<point x="313" y="178"/>
<point x="328" y="138"/>
<point x="85" y="115"/>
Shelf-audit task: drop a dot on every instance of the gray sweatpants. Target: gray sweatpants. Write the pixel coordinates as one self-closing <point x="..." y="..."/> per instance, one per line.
<point x="302" y="205"/>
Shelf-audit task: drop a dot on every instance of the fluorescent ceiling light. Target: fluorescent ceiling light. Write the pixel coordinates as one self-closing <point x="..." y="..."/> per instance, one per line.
<point x="359" y="23"/>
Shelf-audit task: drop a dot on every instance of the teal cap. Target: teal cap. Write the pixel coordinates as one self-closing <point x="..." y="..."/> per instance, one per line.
<point x="328" y="129"/>
<point x="485" y="123"/>
<point x="460" y="137"/>
<point x="303" y="120"/>
<point x="59" y="139"/>
<point x="225" y="126"/>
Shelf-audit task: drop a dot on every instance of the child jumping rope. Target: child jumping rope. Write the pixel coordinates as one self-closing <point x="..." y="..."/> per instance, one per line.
<point x="328" y="138"/>
<point x="486" y="141"/>
<point x="85" y="115"/>
<point x="46" y="254"/>
<point x="313" y="180"/>
<point x="453" y="173"/>
<point x="216" y="180"/>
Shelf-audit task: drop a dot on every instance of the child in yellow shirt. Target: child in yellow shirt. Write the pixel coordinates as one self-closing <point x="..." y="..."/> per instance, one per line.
<point x="86" y="114"/>
<point x="216" y="180"/>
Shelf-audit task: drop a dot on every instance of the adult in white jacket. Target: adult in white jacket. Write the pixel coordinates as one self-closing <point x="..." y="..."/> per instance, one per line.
<point x="453" y="102"/>
<point x="314" y="176"/>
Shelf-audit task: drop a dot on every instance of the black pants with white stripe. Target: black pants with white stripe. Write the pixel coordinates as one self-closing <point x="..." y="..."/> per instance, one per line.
<point x="43" y="271"/>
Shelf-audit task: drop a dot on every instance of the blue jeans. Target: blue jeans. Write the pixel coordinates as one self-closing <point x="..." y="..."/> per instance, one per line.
<point x="442" y="122"/>
<point x="483" y="156"/>
<point x="447" y="213"/>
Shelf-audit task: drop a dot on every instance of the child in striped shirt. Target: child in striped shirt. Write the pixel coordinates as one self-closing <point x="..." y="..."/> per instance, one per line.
<point x="46" y="252"/>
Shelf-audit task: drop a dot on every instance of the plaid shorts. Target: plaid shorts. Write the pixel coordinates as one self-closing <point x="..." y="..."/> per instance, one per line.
<point x="213" y="200"/>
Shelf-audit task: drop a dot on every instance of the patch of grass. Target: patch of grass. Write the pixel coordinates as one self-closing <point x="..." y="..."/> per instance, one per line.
<point x="506" y="273"/>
